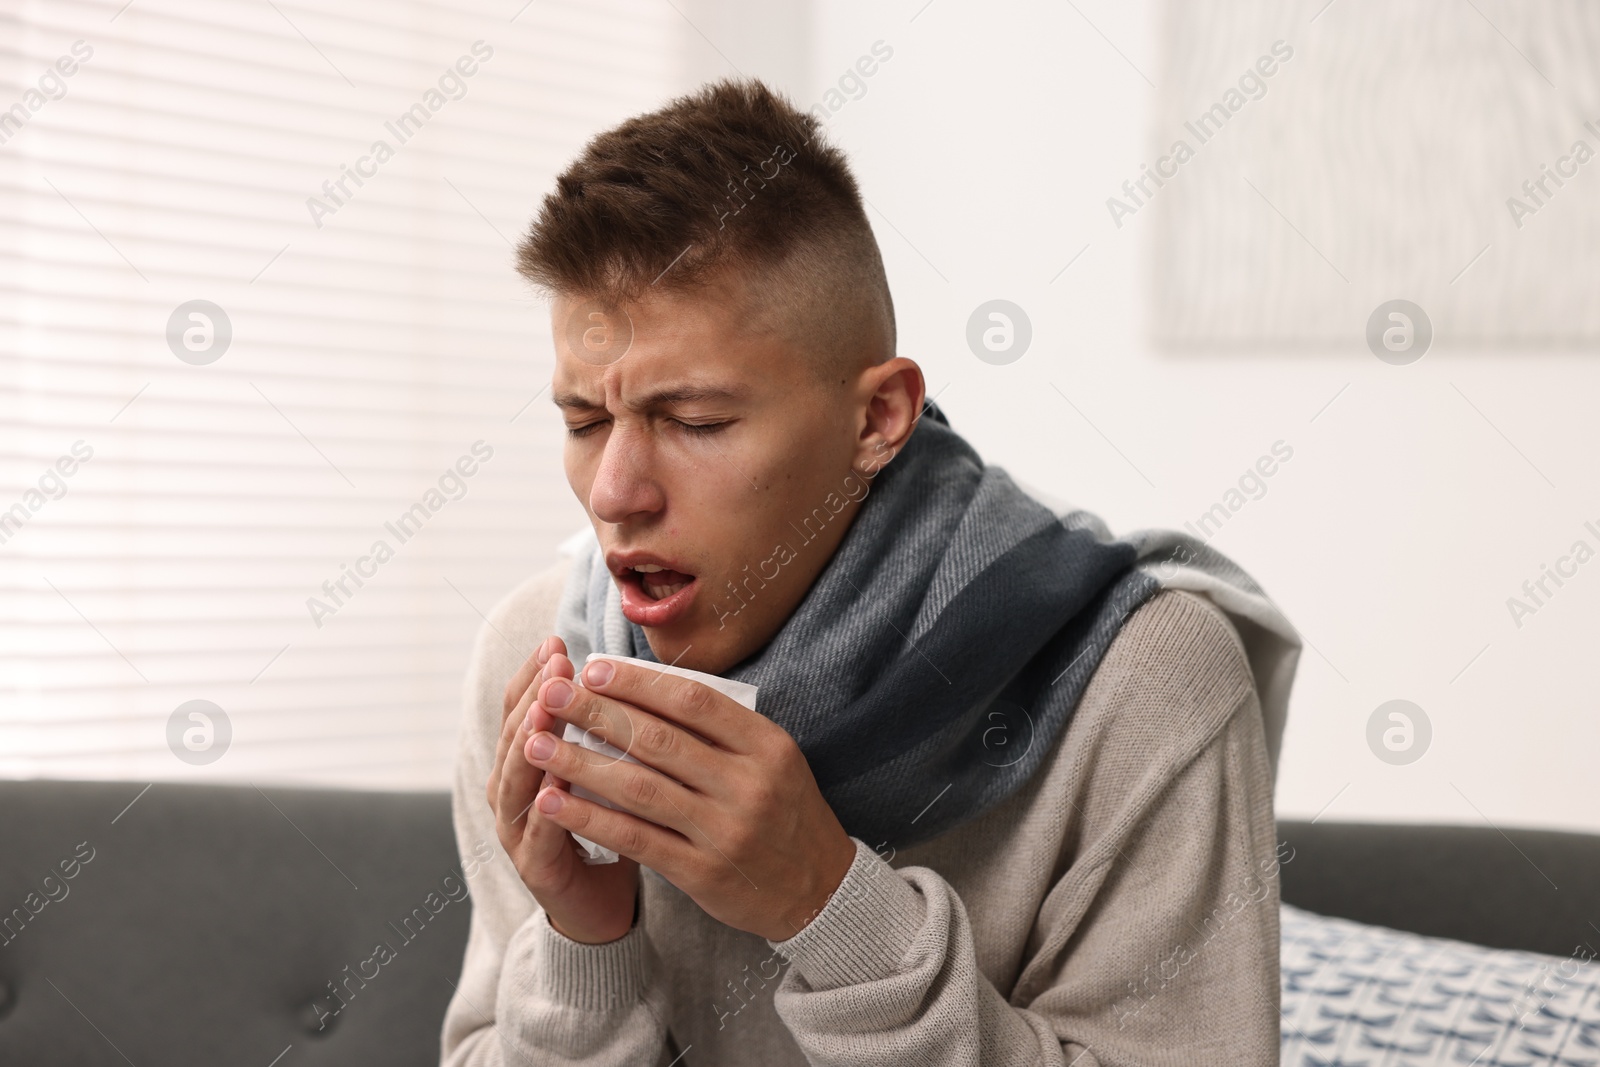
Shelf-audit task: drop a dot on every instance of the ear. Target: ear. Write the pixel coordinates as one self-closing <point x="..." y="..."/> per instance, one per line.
<point x="894" y="392"/>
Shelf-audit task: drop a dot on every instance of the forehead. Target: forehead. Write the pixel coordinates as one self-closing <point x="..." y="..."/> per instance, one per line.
<point x="707" y="339"/>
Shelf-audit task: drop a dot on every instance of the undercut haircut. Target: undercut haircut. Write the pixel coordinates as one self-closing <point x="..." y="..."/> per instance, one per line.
<point x="729" y="184"/>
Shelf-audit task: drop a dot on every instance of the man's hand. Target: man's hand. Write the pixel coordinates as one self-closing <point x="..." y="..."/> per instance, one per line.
<point x="735" y="820"/>
<point x="589" y="903"/>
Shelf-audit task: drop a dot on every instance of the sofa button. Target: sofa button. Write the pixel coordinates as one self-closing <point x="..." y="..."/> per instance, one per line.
<point x="318" y="1017"/>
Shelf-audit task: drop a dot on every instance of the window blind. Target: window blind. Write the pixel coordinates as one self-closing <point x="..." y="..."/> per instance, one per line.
<point x="258" y="319"/>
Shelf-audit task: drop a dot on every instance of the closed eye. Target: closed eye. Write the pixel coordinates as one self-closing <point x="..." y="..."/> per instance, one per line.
<point x="586" y="429"/>
<point x="701" y="429"/>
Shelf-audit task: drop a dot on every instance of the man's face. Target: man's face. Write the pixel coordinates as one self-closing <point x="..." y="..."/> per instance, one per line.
<point x="712" y="452"/>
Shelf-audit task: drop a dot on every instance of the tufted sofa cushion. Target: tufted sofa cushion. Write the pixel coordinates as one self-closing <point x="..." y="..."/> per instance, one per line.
<point x="204" y="925"/>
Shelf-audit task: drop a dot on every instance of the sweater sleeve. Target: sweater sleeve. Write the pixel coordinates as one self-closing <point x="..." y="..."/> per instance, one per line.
<point x="1157" y="944"/>
<point x="528" y="995"/>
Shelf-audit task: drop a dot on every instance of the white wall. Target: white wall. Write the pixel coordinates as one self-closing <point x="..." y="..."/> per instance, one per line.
<point x="987" y="146"/>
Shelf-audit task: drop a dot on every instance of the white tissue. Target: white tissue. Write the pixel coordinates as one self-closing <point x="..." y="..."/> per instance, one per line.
<point x="742" y="692"/>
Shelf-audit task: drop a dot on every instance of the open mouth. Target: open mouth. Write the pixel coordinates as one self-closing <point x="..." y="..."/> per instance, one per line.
<point x="653" y="593"/>
<point x="659" y="583"/>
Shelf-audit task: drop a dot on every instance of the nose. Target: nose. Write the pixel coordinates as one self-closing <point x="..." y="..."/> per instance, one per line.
<point x="625" y="485"/>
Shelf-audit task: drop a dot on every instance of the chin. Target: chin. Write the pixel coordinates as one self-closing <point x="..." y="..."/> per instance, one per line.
<point x="682" y="646"/>
<point x="695" y="646"/>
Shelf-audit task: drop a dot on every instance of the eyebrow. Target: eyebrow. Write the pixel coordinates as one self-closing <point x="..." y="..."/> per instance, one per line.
<point x="681" y="394"/>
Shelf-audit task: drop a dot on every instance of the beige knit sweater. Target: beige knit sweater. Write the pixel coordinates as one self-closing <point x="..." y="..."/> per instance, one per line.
<point x="1121" y="908"/>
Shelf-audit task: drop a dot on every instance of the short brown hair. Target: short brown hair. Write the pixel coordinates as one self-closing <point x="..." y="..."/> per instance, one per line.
<point x="731" y="178"/>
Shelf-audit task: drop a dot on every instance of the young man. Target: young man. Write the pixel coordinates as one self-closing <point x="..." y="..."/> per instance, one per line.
<point x="1006" y="796"/>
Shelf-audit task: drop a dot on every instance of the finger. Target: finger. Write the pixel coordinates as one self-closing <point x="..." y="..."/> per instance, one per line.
<point x="528" y="676"/>
<point x="720" y="720"/>
<point x="640" y="790"/>
<point x="518" y="780"/>
<point x="524" y="676"/>
<point x="539" y="716"/>
<point x="654" y="741"/>
<point x="508" y="730"/>
<point x="551" y="649"/>
<point x="504" y="744"/>
<point x="544" y="841"/>
<point x="663" y="850"/>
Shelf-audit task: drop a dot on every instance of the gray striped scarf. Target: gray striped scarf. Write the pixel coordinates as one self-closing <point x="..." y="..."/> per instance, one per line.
<point x="944" y="646"/>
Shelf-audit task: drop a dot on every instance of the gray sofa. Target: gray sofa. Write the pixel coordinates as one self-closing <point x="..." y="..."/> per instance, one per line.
<point x="207" y="925"/>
